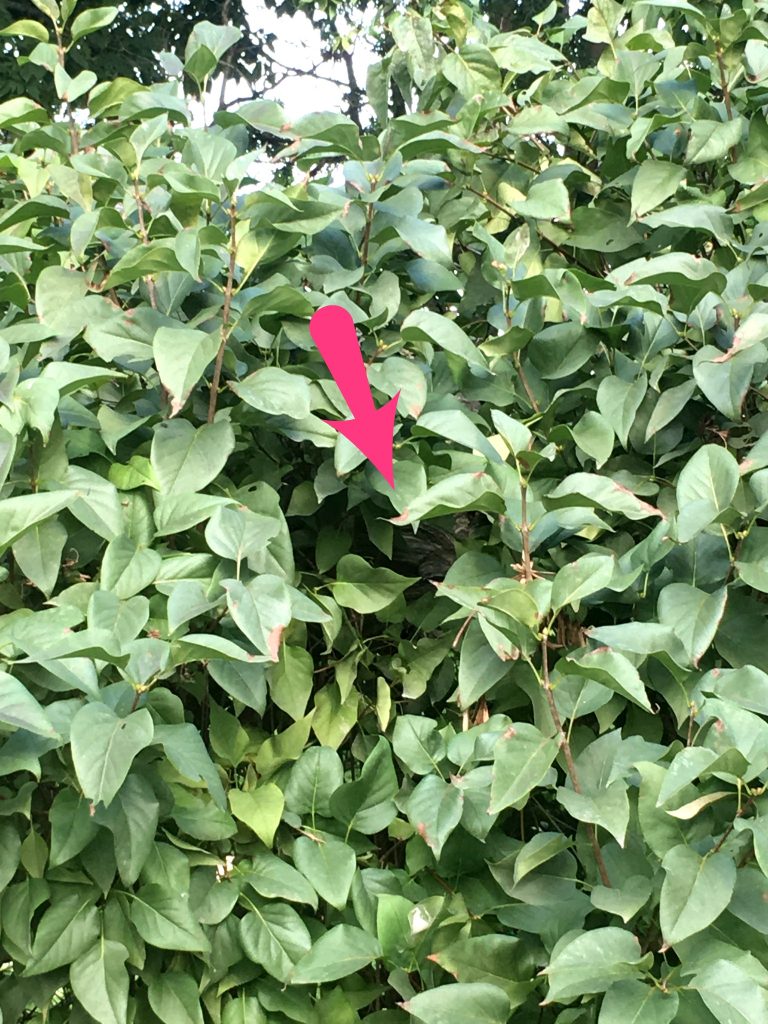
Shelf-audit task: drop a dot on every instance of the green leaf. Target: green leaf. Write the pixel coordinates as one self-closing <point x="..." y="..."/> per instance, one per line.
<point x="100" y="981"/>
<point x="261" y="610"/>
<point x="434" y="809"/>
<point x="238" y="533"/>
<point x="669" y="404"/>
<point x="38" y="553"/>
<point x="521" y="759"/>
<point x="274" y="936"/>
<point x="611" y="669"/>
<point x="594" y="435"/>
<point x="607" y="806"/>
<point x="492" y="959"/>
<point x="20" y="709"/>
<point x="592" y="962"/>
<point x="476" y="1001"/>
<point x="603" y="20"/>
<point x="163" y="919"/>
<point x="425" y="326"/>
<point x="455" y="425"/>
<point x="242" y="1009"/>
<point x="317" y="774"/>
<point x="367" y="803"/>
<point x="625" y="901"/>
<point x="430" y="241"/>
<point x="585" y="576"/>
<point x="480" y="667"/>
<point x="731" y="994"/>
<point x="291" y="681"/>
<point x="95" y="502"/>
<point x="127" y="569"/>
<point x="456" y="492"/>
<point x="132" y="819"/>
<point x="472" y="70"/>
<point x="603" y="492"/>
<point x="654" y="183"/>
<point x="752" y="562"/>
<point x="546" y="200"/>
<point x="186" y="459"/>
<point x="537" y="851"/>
<point x="274" y="878"/>
<point x="275" y="392"/>
<point x="619" y="400"/>
<point x="692" y="277"/>
<point x="72" y="827"/>
<point x="694" y="616"/>
<point x="92" y="20"/>
<point x="724" y="378"/>
<point x="147" y="133"/>
<point x="695" y="892"/>
<point x="175" y="1000"/>
<point x="260" y="809"/>
<point x="367" y="589"/>
<point x="340" y="952"/>
<point x="28" y="28"/>
<point x="395" y="375"/>
<point x="711" y="140"/>
<point x="642" y="638"/>
<point x="328" y="864"/>
<point x="206" y="45"/>
<point x="66" y="930"/>
<point x="639" y="1003"/>
<point x="418" y="744"/>
<point x="185" y="749"/>
<point x="705" y="489"/>
<point x="17" y="515"/>
<point x="104" y="746"/>
<point x="181" y="357"/>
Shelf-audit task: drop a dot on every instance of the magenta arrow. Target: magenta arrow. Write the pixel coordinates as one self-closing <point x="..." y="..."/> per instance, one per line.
<point x="371" y="430"/>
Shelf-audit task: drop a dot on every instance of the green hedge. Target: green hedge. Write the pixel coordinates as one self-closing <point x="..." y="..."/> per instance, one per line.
<point x="282" y="744"/>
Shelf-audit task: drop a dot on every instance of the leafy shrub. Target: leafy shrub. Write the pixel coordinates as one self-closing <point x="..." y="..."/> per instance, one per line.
<point x="283" y="744"/>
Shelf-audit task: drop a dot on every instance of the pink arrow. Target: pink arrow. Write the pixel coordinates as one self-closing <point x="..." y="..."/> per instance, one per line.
<point x="371" y="430"/>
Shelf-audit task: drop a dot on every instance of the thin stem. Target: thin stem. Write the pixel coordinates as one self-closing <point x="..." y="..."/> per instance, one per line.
<point x="512" y="110"/>
<point x="366" y="236"/>
<point x="462" y="630"/>
<point x="73" y="132"/>
<point x="355" y="93"/>
<point x="739" y="814"/>
<point x="494" y="202"/>
<point x="517" y="360"/>
<point x="569" y="762"/>
<point x="525" y="534"/>
<point x="724" y="84"/>
<point x="726" y="95"/>
<point x="225" y="327"/>
<point x="145" y="239"/>
<point x="546" y="685"/>
<point x="524" y="381"/>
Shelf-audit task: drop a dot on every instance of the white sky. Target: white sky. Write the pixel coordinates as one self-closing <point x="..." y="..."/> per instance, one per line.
<point x="297" y="45"/>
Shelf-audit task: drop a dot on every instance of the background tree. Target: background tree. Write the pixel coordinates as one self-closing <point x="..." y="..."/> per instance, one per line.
<point x="141" y="31"/>
<point x="128" y="48"/>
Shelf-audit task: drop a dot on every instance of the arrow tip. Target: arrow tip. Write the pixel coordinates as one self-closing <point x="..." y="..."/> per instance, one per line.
<point x="372" y="434"/>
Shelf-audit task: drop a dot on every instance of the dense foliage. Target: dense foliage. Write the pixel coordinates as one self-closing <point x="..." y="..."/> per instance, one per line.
<point x="280" y="743"/>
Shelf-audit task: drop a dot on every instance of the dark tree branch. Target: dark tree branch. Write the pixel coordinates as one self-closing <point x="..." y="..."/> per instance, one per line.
<point x="355" y="94"/>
